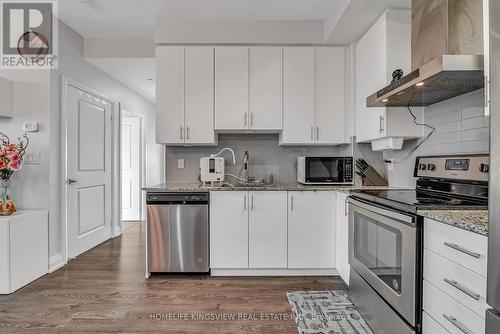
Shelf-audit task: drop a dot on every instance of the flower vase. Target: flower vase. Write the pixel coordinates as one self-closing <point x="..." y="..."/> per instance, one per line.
<point x="4" y="196"/>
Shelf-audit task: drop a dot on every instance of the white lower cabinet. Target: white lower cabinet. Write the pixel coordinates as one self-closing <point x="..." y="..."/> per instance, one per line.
<point x="342" y="239"/>
<point x="431" y="326"/>
<point x="267" y="241"/>
<point x="248" y="229"/>
<point x="311" y="229"/>
<point x="229" y="229"/>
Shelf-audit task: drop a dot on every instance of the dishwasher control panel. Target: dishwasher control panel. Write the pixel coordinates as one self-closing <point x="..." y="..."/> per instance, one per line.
<point x="177" y="198"/>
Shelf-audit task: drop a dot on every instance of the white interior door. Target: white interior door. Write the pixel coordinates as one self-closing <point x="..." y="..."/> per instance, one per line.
<point x="131" y="168"/>
<point x="88" y="170"/>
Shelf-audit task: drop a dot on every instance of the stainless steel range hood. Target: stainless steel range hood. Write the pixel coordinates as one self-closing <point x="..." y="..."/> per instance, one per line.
<point x="447" y="60"/>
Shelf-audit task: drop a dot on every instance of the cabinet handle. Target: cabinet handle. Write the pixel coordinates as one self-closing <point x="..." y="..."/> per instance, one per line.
<point x="291" y="203"/>
<point x="181" y="133"/>
<point x="312" y="132"/>
<point x="457" y="324"/>
<point x="463" y="250"/>
<point x="346" y="209"/>
<point x="251" y="119"/>
<point x="381" y="124"/>
<point x="245" y="203"/>
<point x="458" y="286"/>
<point x="187" y="132"/>
<point x="486" y="91"/>
<point x="253" y="207"/>
<point x="245" y="116"/>
<point x="317" y="132"/>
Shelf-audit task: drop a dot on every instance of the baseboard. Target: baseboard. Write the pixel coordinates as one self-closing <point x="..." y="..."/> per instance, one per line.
<point x="56" y="261"/>
<point x="117" y="231"/>
<point x="274" y="272"/>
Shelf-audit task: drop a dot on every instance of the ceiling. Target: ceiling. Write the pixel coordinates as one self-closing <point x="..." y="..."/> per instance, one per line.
<point x="136" y="18"/>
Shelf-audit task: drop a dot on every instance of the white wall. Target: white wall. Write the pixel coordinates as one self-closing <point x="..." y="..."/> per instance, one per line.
<point x="75" y="67"/>
<point x="31" y="103"/>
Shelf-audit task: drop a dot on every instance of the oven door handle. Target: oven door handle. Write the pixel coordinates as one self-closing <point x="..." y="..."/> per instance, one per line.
<point x="409" y="220"/>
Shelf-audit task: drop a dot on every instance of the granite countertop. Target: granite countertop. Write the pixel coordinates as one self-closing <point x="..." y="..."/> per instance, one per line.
<point x="167" y="187"/>
<point x="470" y="220"/>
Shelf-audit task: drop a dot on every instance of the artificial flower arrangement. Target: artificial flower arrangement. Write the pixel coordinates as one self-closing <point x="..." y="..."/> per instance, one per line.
<point x="11" y="157"/>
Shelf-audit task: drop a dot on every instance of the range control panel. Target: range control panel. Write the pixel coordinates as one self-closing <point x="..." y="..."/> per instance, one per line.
<point x="466" y="167"/>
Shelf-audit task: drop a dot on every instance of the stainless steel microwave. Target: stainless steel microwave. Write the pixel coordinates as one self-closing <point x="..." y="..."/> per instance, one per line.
<point x="325" y="170"/>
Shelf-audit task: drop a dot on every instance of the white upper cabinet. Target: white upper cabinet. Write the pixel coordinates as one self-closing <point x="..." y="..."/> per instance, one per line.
<point x="248" y="90"/>
<point x="185" y="95"/>
<point x="298" y="95"/>
<point x="265" y="89"/>
<point x="6" y="96"/>
<point x="384" y="48"/>
<point x="314" y="98"/>
<point x="231" y="88"/>
<point x="330" y="95"/>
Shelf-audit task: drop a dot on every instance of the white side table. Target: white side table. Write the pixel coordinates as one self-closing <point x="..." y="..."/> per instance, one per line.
<point x="24" y="248"/>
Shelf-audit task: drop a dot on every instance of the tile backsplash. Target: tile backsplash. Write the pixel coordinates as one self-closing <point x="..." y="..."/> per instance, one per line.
<point x="461" y="128"/>
<point x="265" y="155"/>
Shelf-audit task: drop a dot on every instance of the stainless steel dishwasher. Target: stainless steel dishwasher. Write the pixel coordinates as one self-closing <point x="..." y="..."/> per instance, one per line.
<point x="177" y="233"/>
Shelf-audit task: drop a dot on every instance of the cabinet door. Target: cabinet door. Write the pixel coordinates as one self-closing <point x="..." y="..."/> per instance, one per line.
<point x="265" y="88"/>
<point x="170" y="95"/>
<point x="371" y="55"/>
<point x="199" y="95"/>
<point x="267" y="229"/>
<point x="231" y="91"/>
<point x="330" y="95"/>
<point x="298" y="98"/>
<point x="311" y="229"/>
<point x="229" y="229"/>
<point x="342" y="237"/>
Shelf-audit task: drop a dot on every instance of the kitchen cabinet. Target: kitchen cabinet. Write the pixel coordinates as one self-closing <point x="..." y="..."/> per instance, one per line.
<point x="267" y="241"/>
<point x="185" y="95"/>
<point x="248" y="229"/>
<point x="311" y="229"/>
<point x="229" y="229"/>
<point x="314" y="96"/>
<point x="342" y="237"/>
<point x="7" y="97"/>
<point x="385" y="47"/>
<point x="248" y="88"/>
<point x="231" y="88"/>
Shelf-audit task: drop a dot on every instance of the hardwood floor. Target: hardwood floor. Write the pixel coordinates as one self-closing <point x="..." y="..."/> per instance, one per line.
<point x="104" y="290"/>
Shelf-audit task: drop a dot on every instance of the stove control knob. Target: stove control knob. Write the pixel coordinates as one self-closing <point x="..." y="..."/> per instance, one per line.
<point x="422" y="167"/>
<point x="431" y="167"/>
<point x="484" y="168"/>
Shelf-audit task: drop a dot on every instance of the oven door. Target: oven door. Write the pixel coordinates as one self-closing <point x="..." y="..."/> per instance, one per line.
<point x="324" y="170"/>
<point x="383" y="251"/>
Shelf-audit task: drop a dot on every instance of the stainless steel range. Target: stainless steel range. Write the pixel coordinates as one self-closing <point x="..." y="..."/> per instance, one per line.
<point x="385" y="237"/>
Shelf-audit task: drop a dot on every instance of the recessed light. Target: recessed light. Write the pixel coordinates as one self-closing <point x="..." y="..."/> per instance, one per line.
<point x="151" y="79"/>
<point x="385" y="100"/>
<point x="419" y="84"/>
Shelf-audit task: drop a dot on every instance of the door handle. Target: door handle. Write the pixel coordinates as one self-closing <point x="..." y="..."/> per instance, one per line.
<point x="71" y="181"/>
<point x="457" y="324"/>
<point x="459" y="287"/>
<point x="463" y="250"/>
<point x="317" y="132"/>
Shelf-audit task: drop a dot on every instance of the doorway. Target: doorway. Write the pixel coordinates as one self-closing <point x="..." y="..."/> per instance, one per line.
<point x="132" y="166"/>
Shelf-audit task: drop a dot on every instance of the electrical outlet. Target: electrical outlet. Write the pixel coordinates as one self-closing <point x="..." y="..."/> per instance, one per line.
<point x="180" y="163"/>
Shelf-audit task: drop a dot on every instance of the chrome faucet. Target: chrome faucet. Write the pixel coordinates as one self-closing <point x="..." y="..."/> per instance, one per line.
<point x="245" y="167"/>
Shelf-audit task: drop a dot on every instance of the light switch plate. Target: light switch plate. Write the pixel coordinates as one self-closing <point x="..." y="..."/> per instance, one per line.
<point x="30" y="127"/>
<point x="180" y="163"/>
<point x="32" y="158"/>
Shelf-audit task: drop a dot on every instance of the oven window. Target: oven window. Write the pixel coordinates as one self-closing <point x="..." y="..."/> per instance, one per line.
<point x="324" y="169"/>
<point x="379" y="248"/>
